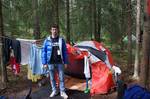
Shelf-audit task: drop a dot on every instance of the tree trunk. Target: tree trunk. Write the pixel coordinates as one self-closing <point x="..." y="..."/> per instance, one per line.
<point x="57" y="12"/>
<point x="123" y="22"/>
<point x="98" y="21"/>
<point x="48" y="17"/>
<point x="68" y="21"/>
<point x="3" y="68"/>
<point x="94" y="19"/>
<point x="145" y="72"/>
<point x="55" y="9"/>
<point x="137" y="50"/>
<point x="36" y="28"/>
<point x="129" y="32"/>
<point x="36" y="31"/>
<point x="91" y="19"/>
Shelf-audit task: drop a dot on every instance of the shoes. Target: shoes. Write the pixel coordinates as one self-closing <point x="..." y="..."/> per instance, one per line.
<point x="64" y="95"/>
<point x="54" y="93"/>
<point x="87" y="90"/>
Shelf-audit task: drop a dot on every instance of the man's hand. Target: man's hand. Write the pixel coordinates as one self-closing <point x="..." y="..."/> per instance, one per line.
<point x="45" y="66"/>
<point x="65" y="65"/>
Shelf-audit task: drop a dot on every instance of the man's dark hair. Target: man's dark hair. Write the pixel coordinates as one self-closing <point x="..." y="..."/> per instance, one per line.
<point x="55" y="26"/>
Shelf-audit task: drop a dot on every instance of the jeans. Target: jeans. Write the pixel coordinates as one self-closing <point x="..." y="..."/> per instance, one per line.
<point x="60" y="68"/>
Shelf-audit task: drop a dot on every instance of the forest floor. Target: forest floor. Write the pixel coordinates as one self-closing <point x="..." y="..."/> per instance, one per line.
<point x="18" y="87"/>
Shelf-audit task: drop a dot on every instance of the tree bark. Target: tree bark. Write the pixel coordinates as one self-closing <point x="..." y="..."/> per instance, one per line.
<point x="145" y="72"/>
<point x="137" y="50"/>
<point x="129" y="32"/>
<point x="3" y="67"/>
<point x="123" y="22"/>
<point x="68" y="21"/>
<point x="91" y="19"/>
<point x="57" y="11"/>
<point x="98" y="21"/>
<point x="36" y="31"/>
<point x="94" y="30"/>
<point x="48" y="16"/>
<point x="55" y="8"/>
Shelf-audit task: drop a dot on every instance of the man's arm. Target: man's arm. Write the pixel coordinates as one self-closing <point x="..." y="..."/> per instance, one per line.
<point x="44" y="53"/>
<point x="64" y="52"/>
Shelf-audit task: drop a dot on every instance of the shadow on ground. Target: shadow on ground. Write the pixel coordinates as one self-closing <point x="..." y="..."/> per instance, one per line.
<point x="44" y="92"/>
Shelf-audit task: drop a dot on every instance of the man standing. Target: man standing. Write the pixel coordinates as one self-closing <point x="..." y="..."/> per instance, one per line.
<point x="54" y="56"/>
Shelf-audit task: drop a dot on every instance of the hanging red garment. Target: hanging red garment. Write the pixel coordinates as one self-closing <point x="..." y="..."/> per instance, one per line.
<point x="14" y="66"/>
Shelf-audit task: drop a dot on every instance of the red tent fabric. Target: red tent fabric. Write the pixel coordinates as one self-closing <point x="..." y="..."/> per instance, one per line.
<point x="76" y="62"/>
<point x="101" y="62"/>
<point x="102" y="80"/>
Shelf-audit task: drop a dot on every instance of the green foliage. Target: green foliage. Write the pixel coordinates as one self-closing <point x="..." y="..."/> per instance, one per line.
<point x="19" y="18"/>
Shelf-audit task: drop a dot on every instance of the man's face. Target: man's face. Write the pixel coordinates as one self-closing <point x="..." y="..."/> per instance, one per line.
<point x="54" y="31"/>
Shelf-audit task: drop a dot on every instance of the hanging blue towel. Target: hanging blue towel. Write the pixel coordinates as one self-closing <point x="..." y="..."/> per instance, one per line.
<point x="35" y="61"/>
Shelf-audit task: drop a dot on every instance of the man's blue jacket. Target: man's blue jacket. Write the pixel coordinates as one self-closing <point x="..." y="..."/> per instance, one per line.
<point x="47" y="50"/>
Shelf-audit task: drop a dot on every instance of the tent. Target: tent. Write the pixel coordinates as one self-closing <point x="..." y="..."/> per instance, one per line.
<point x="100" y="59"/>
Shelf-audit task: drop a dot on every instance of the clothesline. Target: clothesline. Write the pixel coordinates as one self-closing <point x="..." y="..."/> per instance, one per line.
<point x="5" y="37"/>
<point x="34" y="41"/>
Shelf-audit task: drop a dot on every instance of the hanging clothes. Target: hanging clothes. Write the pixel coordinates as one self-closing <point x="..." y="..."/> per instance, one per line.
<point x="13" y="44"/>
<point x="35" y="61"/>
<point x="6" y="50"/>
<point x="32" y="77"/>
<point x="25" y="50"/>
<point x="86" y="67"/>
<point x="14" y="65"/>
